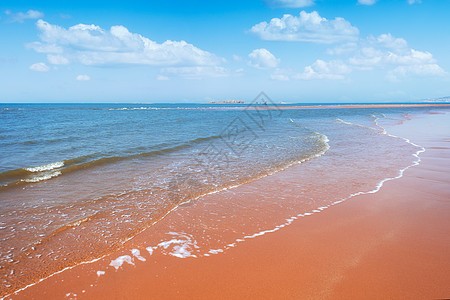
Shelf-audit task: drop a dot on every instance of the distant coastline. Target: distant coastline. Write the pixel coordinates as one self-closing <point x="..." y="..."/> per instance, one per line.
<point x="227" y="102"/>
<point x="354" y="106"/>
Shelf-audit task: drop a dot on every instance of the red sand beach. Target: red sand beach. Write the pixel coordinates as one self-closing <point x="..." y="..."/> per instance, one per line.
<point x="392" y="244"/>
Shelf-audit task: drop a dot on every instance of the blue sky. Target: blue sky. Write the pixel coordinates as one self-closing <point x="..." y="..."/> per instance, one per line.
<point x="197" y="51"/>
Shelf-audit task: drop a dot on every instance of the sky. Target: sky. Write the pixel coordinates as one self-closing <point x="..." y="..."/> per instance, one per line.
<point x="296" y="51"/>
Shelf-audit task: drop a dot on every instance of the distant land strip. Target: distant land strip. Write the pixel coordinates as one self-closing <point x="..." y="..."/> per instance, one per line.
<point x="351" y="106"/>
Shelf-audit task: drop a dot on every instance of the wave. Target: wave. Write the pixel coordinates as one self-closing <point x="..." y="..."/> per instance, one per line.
<point x="180" y="245"/>
<point x="48" y="171"/>
<point x="10" y="109"/>
<point x="47" y="167"/>
<point x="137" y="108"/>
<point x="31" y="174"/>
<point x="179" y="108"/>
<point x="184" y="245"/>
<point x="353" y="124"/>
<point x="159" y="108"/>
<point x="189" y="245"/>
<point x="43" y="177"/>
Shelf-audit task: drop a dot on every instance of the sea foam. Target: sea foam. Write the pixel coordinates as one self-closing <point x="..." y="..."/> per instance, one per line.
<point x="46" y="167"/>
<point x="118" y="262"/>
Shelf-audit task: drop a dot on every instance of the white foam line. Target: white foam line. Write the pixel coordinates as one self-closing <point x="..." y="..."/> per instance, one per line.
<point x="325" y="139"/>
<point x="320" y="209"/>
<point x="136" y="253"/>
<point x="150" y="250"/>
<point x="166" y="244"/>
<point x="100" y="273"/>
<point x="181" y="251"/>
<point x="51" y="275"/>
<point x="47" y="167"/>
<point x="215" y="251"/>
<point x="43" y="177"/>
<point x="353" y="124"/>
<point x="118" y="262"/>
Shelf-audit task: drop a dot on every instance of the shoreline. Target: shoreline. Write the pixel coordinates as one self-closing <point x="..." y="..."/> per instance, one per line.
<point x="237" y="254"/>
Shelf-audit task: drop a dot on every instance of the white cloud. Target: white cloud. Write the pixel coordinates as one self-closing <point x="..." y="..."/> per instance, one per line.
<point x="335" y="69"/>
<point x="83" y="78"/>
<point x="367" y="2"/>
<point x="343" y="48"/>
<point x="45" y="48"/>
<point x="401" y="72"/>
<point x="307" y="27"/>
<point x="92" y="45"/>
<point x="384" y="52"/>
<point x="20" y="17"/>
<point x="263" y="59"/>
<point x="57" y="59"/>
<point x="162" y="77"/>
<point x="388" y="41"/>
<point x="39" y="67"/>
<point x="290" y="3"/>
<point x="372" y="2"/>
<point x="198" y="72"/>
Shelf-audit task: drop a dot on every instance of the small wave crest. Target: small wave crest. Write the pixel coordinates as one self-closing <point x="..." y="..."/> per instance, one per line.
<point x="353" y="124"/>
<point x="156" y="108"/>
<point x="43" y="177"/>
<point x="51" y="170"/>
<point x="135" y="108"/>
<point x="47" y="167"/>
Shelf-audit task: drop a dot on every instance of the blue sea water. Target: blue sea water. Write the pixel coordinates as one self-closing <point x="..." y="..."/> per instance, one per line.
<point x="118" y="168"/>
<point x="35" y="135"/>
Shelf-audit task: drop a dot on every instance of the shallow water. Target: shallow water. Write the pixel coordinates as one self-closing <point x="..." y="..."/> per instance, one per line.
<point x="79" y="180"/>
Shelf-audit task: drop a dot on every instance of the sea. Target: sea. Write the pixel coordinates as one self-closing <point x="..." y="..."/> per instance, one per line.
<point x="79" y="180"/>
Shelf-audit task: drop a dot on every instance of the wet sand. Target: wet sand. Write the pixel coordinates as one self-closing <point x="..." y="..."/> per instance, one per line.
<point x="392" y="244"/>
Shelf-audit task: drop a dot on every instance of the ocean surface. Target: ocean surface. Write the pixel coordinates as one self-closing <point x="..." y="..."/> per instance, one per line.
<point x="77" y="180"/>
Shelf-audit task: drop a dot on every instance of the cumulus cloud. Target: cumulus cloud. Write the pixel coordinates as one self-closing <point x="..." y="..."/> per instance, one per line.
<point x="93" y="45"/>
<point x="83" y="78"/>
<point x="263" y="59"/>
<point x="162" y="77"/>
<point x="20" y="17"/>
<point x="57" y="59"/>
<point x="384" y="52"/>
<point x="401" y="72"/>
<point x="320" y="69"/>
<point x="307" y="27"/>
<point x="290" y="3"/>
<point x="372" y="2"/>
<point x="197" y="72"/>
<point x="387" y="51"/>
<point x="39" y="67"/>
<point x="367" y="2"/>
